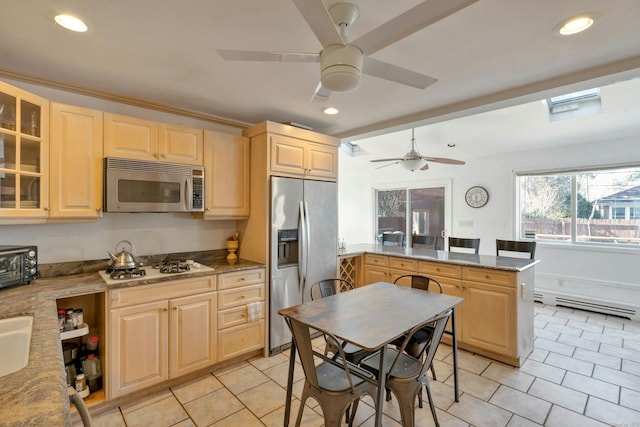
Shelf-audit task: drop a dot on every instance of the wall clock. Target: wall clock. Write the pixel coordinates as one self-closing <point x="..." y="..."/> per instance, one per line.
<point x="476" y="196"/>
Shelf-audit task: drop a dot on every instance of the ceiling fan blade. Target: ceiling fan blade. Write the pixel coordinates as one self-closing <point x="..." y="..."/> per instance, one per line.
<point x="256" y="55"/>
<point x="386" y="71"/>
<point x="387" y="160"/>
<point x="320" y="21"/>
<point x="444" y="160"/>
<point x="425" y="167"/>
<point x="321" y="93"/>
<point x="414" y="19"/>
<point x="390" y="164"/>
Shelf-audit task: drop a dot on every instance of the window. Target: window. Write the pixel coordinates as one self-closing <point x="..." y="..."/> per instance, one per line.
<point x="410" y="211"/>
<point x="590" y="206"/>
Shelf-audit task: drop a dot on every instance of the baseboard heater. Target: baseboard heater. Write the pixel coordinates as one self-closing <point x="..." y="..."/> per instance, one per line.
<point x="584" y="303"/>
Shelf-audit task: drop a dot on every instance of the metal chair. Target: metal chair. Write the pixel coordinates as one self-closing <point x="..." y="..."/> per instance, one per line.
<point x="405" y="374"/>
<point x="395" y="238"/>
<point x="328" y="287"/>
<point x="516" y="246"/>
<point x="459" y="242"/>
<point x="418" y="339"/>
<point x="427" y="241"/>
<point x="334" y="384"/>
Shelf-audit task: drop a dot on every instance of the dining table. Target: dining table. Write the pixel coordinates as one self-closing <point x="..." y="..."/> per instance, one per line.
<point x="371" y="317"/>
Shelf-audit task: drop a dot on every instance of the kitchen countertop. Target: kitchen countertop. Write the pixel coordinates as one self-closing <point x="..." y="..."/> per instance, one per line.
<point x="459" y="258"/>
<point x="37" y="394"/>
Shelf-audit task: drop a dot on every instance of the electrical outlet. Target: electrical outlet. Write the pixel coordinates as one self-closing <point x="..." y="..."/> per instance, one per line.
<point x="466" y="223"/>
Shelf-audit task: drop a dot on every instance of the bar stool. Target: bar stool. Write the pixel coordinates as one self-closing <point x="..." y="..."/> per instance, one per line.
<point x="516" y="246"/>
<point x="459" y="242"/>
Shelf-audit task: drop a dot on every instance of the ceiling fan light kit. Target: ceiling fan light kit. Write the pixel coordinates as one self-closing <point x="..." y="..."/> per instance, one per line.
<point x="341" y="67"/>
<point x="413" y="164"/>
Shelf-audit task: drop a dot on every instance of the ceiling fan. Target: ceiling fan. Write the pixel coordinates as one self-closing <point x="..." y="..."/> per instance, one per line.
<point x="413" y="160"/>
<point x="341" y="62"/>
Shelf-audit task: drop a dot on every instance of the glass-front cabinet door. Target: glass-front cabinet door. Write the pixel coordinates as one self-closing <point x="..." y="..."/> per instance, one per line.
<point x="24" y="154"/>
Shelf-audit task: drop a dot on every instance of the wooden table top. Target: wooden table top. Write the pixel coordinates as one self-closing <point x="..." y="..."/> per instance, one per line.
<point x="373" y="315"/>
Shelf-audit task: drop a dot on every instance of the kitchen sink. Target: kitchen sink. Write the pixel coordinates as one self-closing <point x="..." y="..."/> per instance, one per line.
<point x="15" y="342"/>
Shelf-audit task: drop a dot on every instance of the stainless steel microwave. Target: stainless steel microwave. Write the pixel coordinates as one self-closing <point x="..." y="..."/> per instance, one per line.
<point x="147" y="186"/>
<point x="18" y="265"/>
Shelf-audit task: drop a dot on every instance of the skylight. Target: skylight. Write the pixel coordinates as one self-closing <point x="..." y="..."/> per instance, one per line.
<point x="574" y="104"/>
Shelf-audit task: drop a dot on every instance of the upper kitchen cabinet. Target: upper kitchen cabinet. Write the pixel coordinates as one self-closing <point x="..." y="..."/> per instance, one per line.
<point x="24" y="154"/>
<point x="295" y="152"/>
<point x="226" y="165"/>
<point x="76" y="162"/>
<point x="133" y="138"/>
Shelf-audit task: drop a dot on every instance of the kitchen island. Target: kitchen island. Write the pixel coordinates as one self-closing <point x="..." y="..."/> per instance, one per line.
<point x="37" y="394"/>
<point x="496" y="317"/>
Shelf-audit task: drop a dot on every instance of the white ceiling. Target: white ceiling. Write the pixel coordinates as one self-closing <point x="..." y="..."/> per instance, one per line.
<point x="491" y="54"/>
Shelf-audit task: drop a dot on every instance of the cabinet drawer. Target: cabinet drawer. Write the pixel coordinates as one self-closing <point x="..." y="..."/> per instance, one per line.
<point x="380" y="260"/>
<point x="240" y="296"/>
<point x="240" y="278"/>
<point x="439" y="269"/>
<point x="486" y="275"/>
<point x="161" y="291"/>
<point x="240" y="339"/>
<point x="411" y="265"/>
<point x="234" y="317"/>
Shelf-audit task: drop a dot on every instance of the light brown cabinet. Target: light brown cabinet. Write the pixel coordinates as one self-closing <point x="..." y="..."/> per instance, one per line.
<point x="226" y="164"/>
<point x="496" y="317"/>
<point x="76" y="162"/>
<point x="139" y="139"/>
<point x="24" y="163"/>
<point x="292" y="156"/>
<point x="237" y="333"/>
<point x="294" y="152"/>
<point x="159" y="332"/>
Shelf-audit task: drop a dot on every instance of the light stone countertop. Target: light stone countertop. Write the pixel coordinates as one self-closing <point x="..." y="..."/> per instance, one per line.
<point x="37" y="395"/>
<point x="458" y="258"/>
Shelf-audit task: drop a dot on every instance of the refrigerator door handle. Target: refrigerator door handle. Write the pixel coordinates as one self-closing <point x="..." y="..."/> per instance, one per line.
<point x="301" y="250"/>
<point x="307" y="247"/>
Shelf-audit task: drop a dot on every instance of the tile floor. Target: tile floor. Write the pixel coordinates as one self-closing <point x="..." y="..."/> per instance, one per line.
<point x="584" y="371"/>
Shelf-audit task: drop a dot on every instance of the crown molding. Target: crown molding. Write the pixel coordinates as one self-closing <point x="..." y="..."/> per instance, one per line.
<point x="128" y="100"/>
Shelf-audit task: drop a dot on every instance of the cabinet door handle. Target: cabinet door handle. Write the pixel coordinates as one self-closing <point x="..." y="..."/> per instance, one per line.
<point x="164" y="155"/>
<point x="155" y="155"/>
<point x="97" y="210"/>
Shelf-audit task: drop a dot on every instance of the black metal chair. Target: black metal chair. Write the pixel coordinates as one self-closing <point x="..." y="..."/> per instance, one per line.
<point x="323" y="289"/>
<point x="395" y="238"/>
<point x="427" y="241"/>
<point x="405" y="374"/>
<point x="459" y="242"/>
<point x="337" y="385"/>
<point x="516" y="246"/>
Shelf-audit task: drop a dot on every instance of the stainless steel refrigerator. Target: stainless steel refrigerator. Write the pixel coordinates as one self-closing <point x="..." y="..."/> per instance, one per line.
<point x="304" y="242"/>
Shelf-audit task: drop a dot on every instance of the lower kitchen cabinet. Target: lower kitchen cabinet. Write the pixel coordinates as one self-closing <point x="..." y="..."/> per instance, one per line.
<point x="138" y="347"/>
<point x="160" y="332"/>
<point x="238" y="293"/>
<point x="192" y="332"/>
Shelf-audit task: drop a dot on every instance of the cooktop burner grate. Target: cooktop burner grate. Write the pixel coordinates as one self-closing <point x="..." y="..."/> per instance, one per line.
<point x="172" y="266"/>
<point x="126" y="273"/>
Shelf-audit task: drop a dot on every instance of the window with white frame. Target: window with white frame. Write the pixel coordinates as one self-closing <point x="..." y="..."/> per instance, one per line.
<point x="599" y="206"/>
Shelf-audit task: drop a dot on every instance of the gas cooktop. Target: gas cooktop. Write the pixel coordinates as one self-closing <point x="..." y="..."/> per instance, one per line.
<point x="153" y="272"/>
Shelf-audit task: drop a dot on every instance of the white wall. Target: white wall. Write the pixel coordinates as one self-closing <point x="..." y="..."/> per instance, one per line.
<point x="152" y="233"/>
<point x="606" y="273"/>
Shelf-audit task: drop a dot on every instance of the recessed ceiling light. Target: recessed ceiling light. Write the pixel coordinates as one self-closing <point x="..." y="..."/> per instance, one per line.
<point x="331" y="110"/>
<point x="71" y="23"/>
<point x="576" y="24"/>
